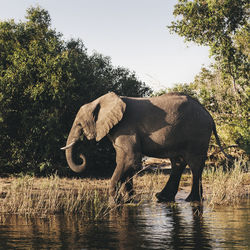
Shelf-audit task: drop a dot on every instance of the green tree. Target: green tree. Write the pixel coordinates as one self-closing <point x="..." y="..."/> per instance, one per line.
<point x="221" y="25"/>
<point x="43" y="82"/>
<point x="223" y="89"/>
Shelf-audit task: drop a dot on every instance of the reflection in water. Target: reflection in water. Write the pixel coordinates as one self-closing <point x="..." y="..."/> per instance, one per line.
<point x="151" y="226"/>
<point x="175" y="227"/>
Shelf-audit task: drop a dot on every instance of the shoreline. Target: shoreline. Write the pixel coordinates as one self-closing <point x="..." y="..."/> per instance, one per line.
<point x="89" y="197"/>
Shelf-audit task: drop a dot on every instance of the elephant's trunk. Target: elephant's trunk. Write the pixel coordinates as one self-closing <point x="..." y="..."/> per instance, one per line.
<point x="72" y="165"/>
<point x="69" y="149"/>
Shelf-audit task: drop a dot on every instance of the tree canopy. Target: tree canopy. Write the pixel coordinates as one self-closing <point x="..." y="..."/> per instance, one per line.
<point x="221" y="25"/>
<point x="224" y="88"/>
<point x="43" y="82"/>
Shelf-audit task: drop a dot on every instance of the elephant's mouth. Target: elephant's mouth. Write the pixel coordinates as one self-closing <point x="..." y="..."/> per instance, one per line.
<point x="73" y="139"/>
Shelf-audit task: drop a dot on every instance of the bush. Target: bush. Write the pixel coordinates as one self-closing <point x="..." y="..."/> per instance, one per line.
<point x="43" y="82"/>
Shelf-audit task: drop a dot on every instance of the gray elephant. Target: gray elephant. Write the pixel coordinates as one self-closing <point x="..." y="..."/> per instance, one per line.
<point x="173" y="126"/>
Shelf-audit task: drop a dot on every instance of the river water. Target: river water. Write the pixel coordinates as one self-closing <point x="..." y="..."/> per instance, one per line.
<point x="150" y="226"/>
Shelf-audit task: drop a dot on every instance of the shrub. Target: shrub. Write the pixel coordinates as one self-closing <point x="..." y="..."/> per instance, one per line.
<point x="43" y="82"/>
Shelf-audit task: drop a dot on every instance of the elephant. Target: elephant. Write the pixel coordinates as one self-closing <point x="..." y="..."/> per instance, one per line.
<point x="173" y="125"/>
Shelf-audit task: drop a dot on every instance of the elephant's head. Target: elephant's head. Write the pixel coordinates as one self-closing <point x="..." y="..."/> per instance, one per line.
<point x="94" y="120"/>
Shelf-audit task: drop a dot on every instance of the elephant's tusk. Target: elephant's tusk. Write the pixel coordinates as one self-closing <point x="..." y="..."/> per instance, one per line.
<point x="68" y="146"/>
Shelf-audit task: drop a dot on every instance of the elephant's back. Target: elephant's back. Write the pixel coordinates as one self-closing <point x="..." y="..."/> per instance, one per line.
<point x="167" y="110"/>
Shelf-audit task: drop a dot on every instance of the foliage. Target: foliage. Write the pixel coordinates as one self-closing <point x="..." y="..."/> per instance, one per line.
<point x="221" y="25"/>
<point x="226" y="187"/>
<point x="231" y="116"/>
<point x="224" y="88"/>
<point x="43" y="82"/>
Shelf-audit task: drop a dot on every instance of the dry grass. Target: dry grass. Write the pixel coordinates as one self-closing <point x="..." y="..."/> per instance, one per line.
<point x="89" y="197"/>
<point x="42" y="196"/>
<point x="226" y="188"/>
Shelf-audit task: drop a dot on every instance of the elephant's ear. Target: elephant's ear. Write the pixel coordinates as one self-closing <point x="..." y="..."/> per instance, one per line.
<point x="111" y="109"/>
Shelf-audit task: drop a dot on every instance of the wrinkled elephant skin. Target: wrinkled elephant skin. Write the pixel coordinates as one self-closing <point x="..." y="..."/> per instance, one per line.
<point x="173" y="126"/>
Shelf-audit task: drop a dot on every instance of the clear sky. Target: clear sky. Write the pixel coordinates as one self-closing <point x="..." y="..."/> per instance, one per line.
<point x="132" y="32"/>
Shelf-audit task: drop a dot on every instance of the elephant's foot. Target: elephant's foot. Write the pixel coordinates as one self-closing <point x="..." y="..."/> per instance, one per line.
<point x="193" y="198"/>
<point x="129" y="200"/>
<point x="114" y="202"/>
<point x="114" y="198"/>
<point x="164" y="198"/>
<point x="129" y="197"/>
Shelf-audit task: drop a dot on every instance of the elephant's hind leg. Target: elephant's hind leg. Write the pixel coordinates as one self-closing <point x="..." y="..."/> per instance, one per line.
<point x="196" y="165"/>
<point x="169" y="191"/>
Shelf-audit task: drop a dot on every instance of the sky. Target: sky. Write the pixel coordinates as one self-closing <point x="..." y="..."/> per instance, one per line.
<point x="133" y="33"/>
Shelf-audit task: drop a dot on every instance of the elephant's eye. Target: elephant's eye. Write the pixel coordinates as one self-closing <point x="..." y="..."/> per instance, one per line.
<point x="79" y="128"/>
<point x="78" y="125"/>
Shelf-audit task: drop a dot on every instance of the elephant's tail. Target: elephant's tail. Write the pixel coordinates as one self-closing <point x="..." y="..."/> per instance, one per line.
<point x="229" y="157"/>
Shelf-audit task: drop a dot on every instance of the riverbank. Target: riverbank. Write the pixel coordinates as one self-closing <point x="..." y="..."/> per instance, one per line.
<point x="89" y="197"/>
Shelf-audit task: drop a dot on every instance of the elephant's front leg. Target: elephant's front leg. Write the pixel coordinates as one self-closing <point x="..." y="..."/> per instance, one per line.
<point x="113" y="188"/>
<point x="129" y="184"/>
<point x="128" y="180"/>
<point x="169" y="191"/>
<point x="124" y="171"/>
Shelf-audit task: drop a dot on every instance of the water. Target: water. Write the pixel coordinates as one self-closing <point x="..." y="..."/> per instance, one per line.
<point x="151" y="226"/>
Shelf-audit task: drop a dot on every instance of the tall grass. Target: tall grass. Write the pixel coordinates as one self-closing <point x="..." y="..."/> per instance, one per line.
<point x="31" y="196"/>
<point x="89" y="197"/>
<point x="226" y="187"/>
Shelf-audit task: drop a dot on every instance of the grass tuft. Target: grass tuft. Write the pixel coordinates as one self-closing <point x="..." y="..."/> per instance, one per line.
<point x="226" y="187"/>
<point x="32" y="196"/>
